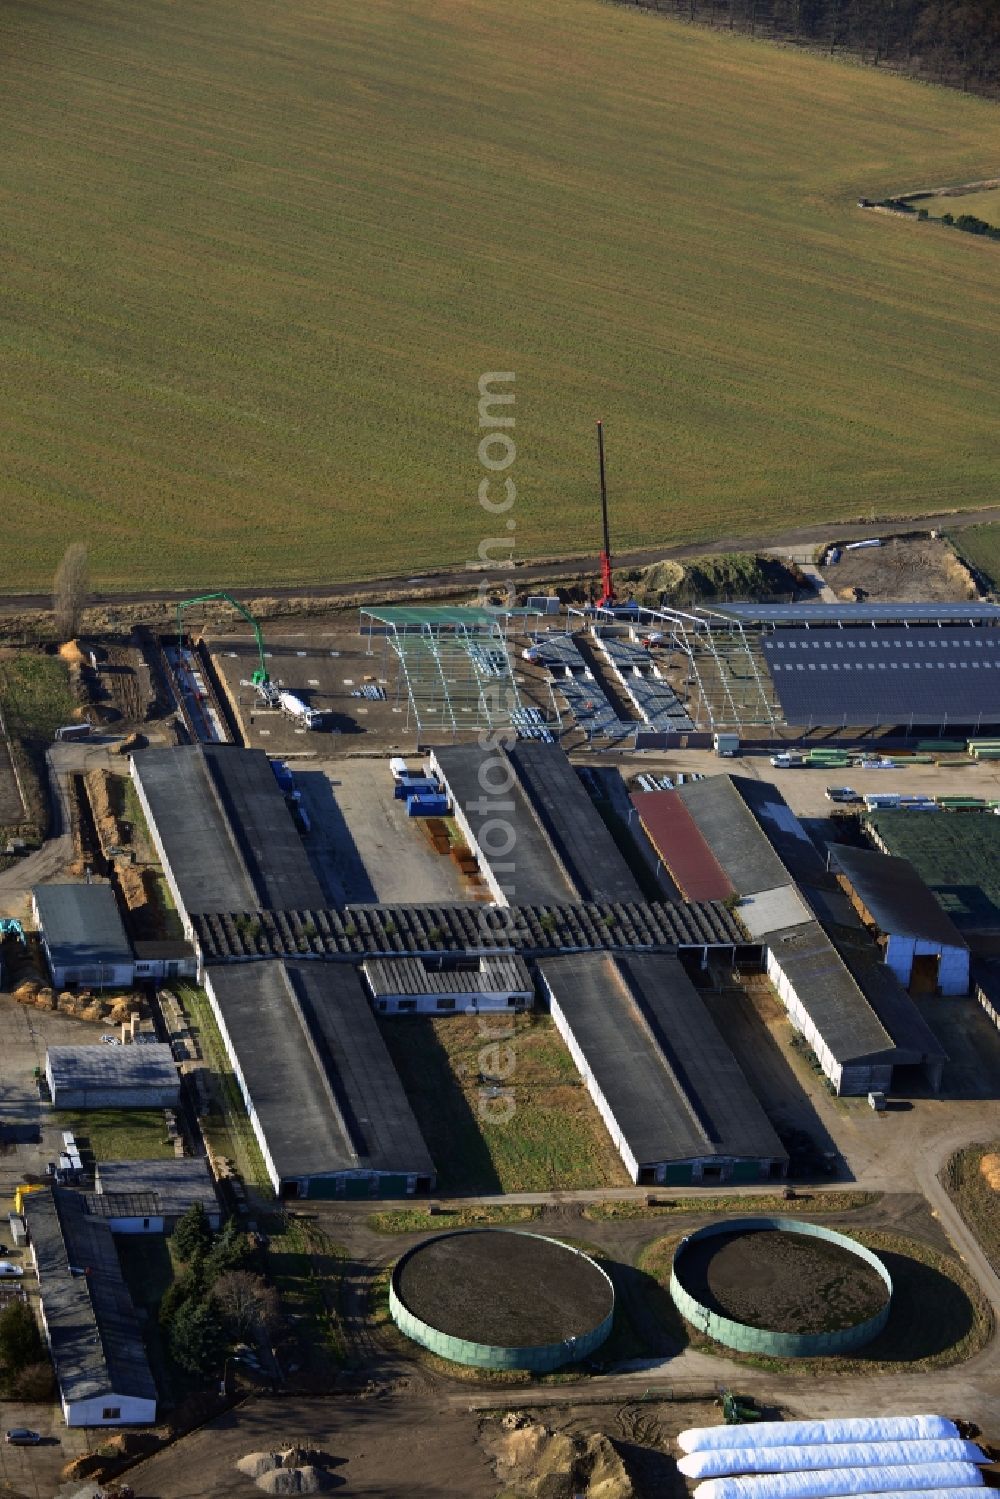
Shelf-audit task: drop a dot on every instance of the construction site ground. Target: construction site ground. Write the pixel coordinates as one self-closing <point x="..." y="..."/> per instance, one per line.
<point x="324" y="664"/>
<point x="911" y="569"/>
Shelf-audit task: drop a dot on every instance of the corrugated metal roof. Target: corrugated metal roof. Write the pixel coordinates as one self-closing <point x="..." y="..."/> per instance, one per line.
<point x="582" y="841"/>
<point x="112" y="1066"/>
<point x="96" y="1344"/>
<point x="899" y="901"/>
<point x="733" y="834"/>
<point x="82" y="925"/>
<point x="677" y="839"/>
<point x="498" y="973"/>
<point x="315" y="1065"/>
<point x="670" y="1079"/>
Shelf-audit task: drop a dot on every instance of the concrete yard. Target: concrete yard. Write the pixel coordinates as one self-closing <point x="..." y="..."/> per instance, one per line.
<point x="323" y="666"/>
<point x="363" y="846"/>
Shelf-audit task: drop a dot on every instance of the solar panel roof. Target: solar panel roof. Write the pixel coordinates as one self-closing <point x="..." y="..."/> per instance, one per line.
<point x="889" y="675"/>
<point x="856" y="613"/>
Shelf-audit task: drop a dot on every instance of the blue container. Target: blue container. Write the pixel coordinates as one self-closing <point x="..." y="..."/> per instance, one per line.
<point x="283" y="775"/>
<point x="408" y="786"/>
<point x="427" y="806"/>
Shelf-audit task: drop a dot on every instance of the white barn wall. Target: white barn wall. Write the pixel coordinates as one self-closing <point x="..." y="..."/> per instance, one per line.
<point x="600" y="1102"/>
<point x="132" y="1412"/>
<point x="245" y="1092"/>
<point x="802" y="1020"/>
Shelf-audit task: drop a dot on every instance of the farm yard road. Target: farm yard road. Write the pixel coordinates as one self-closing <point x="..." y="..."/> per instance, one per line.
<point x="571" y="566"/>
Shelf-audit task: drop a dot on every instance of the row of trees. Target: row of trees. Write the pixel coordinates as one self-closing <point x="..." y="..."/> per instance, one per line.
<point x="956" y="42"/>
<point x="219" y="1299"/>
<point x="25" y="1370"/>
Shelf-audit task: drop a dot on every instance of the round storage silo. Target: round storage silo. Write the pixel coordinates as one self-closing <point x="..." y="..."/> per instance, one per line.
<point x="496" y="1298"/>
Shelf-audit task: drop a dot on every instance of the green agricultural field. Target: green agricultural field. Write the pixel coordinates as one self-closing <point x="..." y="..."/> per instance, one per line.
<point x="979" y="548"/>
<point x="257" y="257"/>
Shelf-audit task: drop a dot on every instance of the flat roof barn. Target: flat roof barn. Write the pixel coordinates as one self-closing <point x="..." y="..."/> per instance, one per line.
<point x="433" y="982"/>
<point x="536" y="831"/>
<point x="90" y="1323"/>
<point x="669" y="1089"/>
<point x="171" y="1187"/>
<point x="83" y="934"/>
<point x="113" y="1077"/>
<point x="224" y="834"/>
<point x="326" y="1104"/>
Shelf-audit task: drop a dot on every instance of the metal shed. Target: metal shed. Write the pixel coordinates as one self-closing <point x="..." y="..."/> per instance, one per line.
<point x="920" y="943"/>
<point x="112" y="1077"/>
<point x="83" y="935"/>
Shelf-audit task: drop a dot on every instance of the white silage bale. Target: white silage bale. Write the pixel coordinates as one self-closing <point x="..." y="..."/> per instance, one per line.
<point x="831" y="1483"/>
<point x="806" y="1433"/>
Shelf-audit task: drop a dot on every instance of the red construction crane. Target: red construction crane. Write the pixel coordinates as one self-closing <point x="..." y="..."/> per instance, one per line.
<point x="607" y="597"/>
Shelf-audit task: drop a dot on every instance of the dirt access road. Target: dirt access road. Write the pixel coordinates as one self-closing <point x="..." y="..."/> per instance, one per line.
<point x="567" y="566"/>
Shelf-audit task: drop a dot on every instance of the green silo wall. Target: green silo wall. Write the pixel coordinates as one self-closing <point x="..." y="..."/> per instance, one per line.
<point x="746" y="1339"/>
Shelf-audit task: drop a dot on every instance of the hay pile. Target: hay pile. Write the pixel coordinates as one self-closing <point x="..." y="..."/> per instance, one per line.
<point x="990" y="1167"/>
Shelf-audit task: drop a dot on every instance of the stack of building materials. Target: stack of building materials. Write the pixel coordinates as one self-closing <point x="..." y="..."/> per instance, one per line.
<point x="821" y="1459"/>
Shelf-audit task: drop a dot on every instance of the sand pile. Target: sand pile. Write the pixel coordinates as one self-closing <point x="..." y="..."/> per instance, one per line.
<point x="990" y="1167"/>
<point x="256" y="1464"/>
<point x="533" y="1462"/>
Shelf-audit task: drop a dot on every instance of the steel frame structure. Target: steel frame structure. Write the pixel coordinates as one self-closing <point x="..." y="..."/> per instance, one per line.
<point x="443" y="658"/>
<point x="732" y="690"/>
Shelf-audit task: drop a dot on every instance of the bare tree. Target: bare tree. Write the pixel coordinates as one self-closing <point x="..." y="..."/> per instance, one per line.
<point x="246" y="1301"/>
<point x="70" y="588"/>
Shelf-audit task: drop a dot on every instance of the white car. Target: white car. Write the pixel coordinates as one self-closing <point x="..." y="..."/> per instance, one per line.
<point x="9" y="1269"/>
<point x="110" y="1040"/>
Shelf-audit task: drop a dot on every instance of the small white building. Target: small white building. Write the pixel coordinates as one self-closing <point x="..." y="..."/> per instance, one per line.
<point x="83" y="936"/>
<point x="87" y="1315"/>
<point x="441" y="983"/>
<point x="112" y="1077"/>
<point x="148" y="1197"/>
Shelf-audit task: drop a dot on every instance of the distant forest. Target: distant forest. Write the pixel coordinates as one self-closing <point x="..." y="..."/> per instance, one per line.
<point x="955" y="42"/>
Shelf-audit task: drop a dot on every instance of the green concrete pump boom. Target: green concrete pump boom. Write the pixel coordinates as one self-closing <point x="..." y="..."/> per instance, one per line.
<point x="260" y="677"/>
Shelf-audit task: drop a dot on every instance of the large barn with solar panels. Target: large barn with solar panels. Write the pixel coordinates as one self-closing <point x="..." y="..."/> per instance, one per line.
<point x="823" y="666"/>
